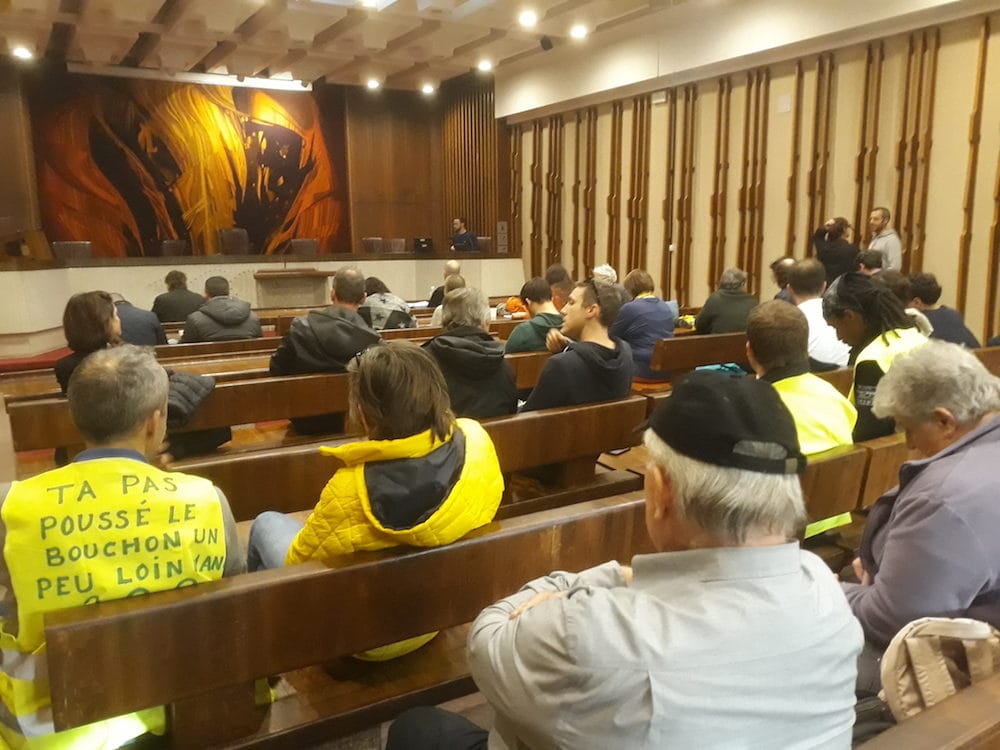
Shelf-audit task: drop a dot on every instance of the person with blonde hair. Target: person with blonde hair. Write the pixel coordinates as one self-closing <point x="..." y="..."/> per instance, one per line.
<point x="420" y="478"/>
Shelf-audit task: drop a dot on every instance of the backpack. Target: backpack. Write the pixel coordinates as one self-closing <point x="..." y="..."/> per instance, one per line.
<point x="933" y="658"/>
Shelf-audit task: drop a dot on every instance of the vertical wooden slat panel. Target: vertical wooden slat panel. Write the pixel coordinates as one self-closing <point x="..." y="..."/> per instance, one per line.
<point x="861" y="160"/>
<point x="576" y="193"/>
<point x="590" y="197"/>
<point x="972" y="169"/>
<point x="514" y="228"/>
<point x="828" y="115"/>
<point x="554" y="186"/>
<point x="901" y="144"/>
<point x="536" y="198"/>
<point x="993" y="265"/>
<point x="752" y="214"/>
<point x="744" y="194"/>
<point x="907" y="224"/>
<point x="760" y="186"/>
<point x="685" y="202"/>
<point x="638" y="183"/>
<point x="916" y="260"/>
<point x="717" y="216"/>
<point x="613" y="202"/>
<point x="796" y="157"/>
<point x="873" y="149"/>
<point x="666" y="277"/>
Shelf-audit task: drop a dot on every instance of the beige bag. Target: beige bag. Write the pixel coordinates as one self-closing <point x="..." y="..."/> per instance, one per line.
<point x="933" y="658"/>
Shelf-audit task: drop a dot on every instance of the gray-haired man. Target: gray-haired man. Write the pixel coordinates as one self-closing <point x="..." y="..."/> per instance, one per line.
<point x="729" y="635"/>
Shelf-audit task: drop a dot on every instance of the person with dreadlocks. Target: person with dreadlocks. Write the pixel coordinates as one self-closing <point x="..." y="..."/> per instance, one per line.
<point x="871" y="320"/>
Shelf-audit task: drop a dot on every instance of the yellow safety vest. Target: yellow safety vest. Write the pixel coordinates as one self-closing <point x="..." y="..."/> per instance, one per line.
<point x="886" y="347"/>
<point x="95" y="530"/>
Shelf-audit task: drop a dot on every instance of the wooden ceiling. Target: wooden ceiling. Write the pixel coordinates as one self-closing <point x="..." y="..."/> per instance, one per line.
<point x="403" y="43"/>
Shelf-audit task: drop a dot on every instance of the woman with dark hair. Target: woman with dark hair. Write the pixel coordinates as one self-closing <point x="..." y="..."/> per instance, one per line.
<point x="833" y="250"/>
<point x="90" y="322"/>
<point x="871" y="320"/>
<point x="420" y="478"/>
<point x="382" y="309"/>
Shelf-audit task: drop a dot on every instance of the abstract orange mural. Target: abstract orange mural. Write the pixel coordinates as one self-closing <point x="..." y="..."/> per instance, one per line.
<point x="127" y="164"/>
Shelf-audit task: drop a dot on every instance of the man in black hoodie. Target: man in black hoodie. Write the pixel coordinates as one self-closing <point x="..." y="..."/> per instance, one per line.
<point x="326" y="341"/>
<point x="221" y="318"/>
<point x="587" y="364"/>
<point x="480" y="383"/>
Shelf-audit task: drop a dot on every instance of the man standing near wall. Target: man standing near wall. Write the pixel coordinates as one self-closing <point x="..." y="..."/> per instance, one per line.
<point x="884" y="238"/>
<point x="463" y="240"/>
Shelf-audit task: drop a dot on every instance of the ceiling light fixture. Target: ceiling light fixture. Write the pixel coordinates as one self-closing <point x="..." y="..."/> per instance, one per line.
<point x="579" y="31"/>
<point x="22" y="53"/>
<point x="427" y="88"/>
<point x="528" y="19"/>
<point x="209" y="79"/>
<point x="373" y="83"/>
<point x="370" y="3"/>
<point x="485" y="65"/>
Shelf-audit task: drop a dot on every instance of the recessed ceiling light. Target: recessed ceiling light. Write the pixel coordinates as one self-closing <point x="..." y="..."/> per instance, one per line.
<point x="373" y="83"/>
<point x="527" y="18"/>
<point x="427" y="88"/>
<point x="579" y="31"/>
<point x="22" y="53"/>
<point x="485" y="66"/>
<point x="370" y="3"/>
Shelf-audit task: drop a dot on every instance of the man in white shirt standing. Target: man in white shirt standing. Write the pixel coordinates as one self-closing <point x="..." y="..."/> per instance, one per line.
<point x="884" y="238"/>
<point x="729" y="635"/>
<point x="807" y="282"/>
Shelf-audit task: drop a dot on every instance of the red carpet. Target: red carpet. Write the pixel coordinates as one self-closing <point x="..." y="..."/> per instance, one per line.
<point x="39" y="362"/>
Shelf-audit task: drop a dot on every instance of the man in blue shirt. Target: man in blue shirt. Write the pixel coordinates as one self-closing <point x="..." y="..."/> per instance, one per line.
<point x="463" y="240"/>
<point x="644" y="321"/>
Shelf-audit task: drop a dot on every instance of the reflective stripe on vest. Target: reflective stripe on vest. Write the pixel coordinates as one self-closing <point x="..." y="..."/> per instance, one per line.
<point x="94" y="531"/>
<point x="885" y="348"/>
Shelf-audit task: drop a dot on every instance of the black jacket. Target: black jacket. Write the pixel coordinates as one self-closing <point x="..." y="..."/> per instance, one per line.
<point x="480" y="382"/>
<point x="221" y="319"/>
<point x="725" y="311"/>
<point x="584" y="373"/>
<point x="323" y="341"/>
<point x="837" y="256"/>
<point x="139" y="327"/>
<point x="174" y="306"/>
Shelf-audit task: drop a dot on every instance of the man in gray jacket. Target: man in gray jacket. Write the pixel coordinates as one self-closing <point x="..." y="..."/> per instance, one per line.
<point x="221" y="318"/>
<point x="728" y="636"/>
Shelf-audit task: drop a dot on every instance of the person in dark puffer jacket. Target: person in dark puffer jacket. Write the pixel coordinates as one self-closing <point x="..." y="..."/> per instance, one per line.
<point x="480" y="382"/>
<point x="221" y="318"/>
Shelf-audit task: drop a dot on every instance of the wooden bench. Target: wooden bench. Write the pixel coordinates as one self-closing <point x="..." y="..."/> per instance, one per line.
<point x="291" y="479"/>
<point x="681" y="355"/>
<point x="198" y="650"/>
<point x="46" y="422"/>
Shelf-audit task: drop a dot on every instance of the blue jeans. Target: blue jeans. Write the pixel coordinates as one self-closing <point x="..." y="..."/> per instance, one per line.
<point x="271" y="535"/>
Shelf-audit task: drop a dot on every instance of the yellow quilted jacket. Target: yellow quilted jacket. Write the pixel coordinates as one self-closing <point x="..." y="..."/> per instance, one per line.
<point x="414" y="491"/>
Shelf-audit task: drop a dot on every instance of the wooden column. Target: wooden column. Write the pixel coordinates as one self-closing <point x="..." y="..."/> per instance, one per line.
<point x="614" y="200"/>
<point x="537" y="133"/>
<point x="792" y="189"/>
<point x="720" y="182"/>
<point x="590" y="197"/>
<point x="638" y="202"/>
<point x="553" y="188"/>
<point x="666" y="277"/>
<point x="514" y="137"/>
<point x="576" y="194"/>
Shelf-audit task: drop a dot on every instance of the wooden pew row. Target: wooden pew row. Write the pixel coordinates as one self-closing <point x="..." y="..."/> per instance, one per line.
<point x="213" y="640"/>
<point x="46" y="423"/>
<point x="682" y="354"/>
<point x="291" y="479"/>
<point x="278" y="621"/>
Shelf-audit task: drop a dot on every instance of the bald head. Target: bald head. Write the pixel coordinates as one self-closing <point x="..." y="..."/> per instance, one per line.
<point x="452" y="267"/>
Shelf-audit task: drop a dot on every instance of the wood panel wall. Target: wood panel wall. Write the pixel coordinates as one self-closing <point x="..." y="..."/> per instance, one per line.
<point x="416" y="162"/>
<point x="743" y="168"/>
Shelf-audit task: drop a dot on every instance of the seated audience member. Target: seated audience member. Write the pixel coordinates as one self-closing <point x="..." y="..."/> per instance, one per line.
<point x="90" y="323"/>
<point x="777" y="347"/>
<point x="453" y="282"/>
<point x="806" y="282"/>
<point x="899" y="285"/>
<point x="118" y="401"/>
<point x="529" y="336"/>
<point x="326" y="341"/>
<point x="948" y="325"/>
<point x="382" y="309"/>
<point x="139" y="327"/>
<point x="587" y="364"/>
<point x="726" y="310"/>
<point x="643" y="321"/>
<point x="437" y="296"/>
<point x="480" y="382"/>
<point x="833" y="250"/>
<point x="779" y="272"/>
<point x="870" y="320"/>
<point x="728" y="635"/>
<point x="421" y="478"/>
<point x="222" y="317"/>
<point x="931" y="546"/>
<point x="870" y="262"/>
<point x="560" y="284"/>
<point x="605" y="274"/>
<point x="177" y="302"/>
<point x="995" y="341"/>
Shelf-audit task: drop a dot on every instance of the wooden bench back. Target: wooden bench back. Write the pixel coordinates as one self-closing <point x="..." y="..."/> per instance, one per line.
<point x="842" y="379"/>
<point x="46" y="423"/>
<point x="291" y="479"/>
<point x="683" y="354"/>
<point x="885" y="456"/>
<point x="833" y="480"/>
<point x="989" y="356"/>
<point x="121" y="656"/>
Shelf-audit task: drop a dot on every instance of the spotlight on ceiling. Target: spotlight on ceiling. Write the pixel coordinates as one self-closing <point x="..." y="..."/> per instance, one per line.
<point x="485" y="66"/>
<point x="22" y="53"/>
<point x="373" y="83"/>
<point x="527" y="18"/>
<point x="579" y="31"/>
<point x="427" y="88"/>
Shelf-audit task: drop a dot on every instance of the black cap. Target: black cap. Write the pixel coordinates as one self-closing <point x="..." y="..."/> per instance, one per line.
<point x="725" y="421"/>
